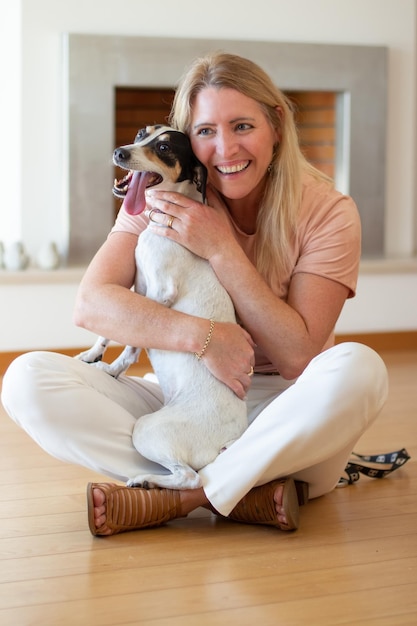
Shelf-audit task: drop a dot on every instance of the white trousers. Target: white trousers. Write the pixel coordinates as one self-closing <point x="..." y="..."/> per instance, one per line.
<point x="305" y="428"/>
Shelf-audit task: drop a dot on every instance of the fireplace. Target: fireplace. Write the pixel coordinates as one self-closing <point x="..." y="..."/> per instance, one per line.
<point x="98" y="65"/>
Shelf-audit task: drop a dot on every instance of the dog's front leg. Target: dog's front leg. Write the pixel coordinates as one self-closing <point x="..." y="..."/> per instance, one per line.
<point x="128" y="357"/>
<point x="94" y="354"/>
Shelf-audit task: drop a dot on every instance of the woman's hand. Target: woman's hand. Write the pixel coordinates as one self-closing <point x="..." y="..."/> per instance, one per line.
<point x="230" y="357"/>
<point x="199" y="227"/>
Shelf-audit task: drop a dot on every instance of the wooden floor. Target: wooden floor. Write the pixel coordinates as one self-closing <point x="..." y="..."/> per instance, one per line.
<point x="353" y="560"/>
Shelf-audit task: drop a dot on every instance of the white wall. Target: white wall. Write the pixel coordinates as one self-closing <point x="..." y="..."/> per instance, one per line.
<point x="40" y="316"/>
<point x="10" y="116"/>
<point x="35" y="209"/>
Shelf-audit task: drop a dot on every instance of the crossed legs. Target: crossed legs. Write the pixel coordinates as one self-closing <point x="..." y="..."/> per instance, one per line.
<point x="305" y="429"/>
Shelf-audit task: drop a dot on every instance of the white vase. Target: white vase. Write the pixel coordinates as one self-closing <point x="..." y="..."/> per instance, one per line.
<point x="15" y="257"/>
<point x="48" y="257"/>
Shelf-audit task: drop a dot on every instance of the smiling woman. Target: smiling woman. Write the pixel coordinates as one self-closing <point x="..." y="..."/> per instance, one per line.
<point x="237" y="148"/>
<point x="284" y="245"/>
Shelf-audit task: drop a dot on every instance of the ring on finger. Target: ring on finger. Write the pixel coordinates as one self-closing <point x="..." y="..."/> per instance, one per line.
<point x="251" y="371"/>
<point x="150" y="216"/>
<point x="170" y="221"/>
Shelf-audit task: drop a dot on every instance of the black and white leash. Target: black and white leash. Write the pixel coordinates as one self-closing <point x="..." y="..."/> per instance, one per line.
<point x="377" y="466"/>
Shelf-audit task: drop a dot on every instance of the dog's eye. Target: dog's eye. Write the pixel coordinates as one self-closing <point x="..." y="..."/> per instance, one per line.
<point x="140" y="135"/>
<point x="164" y="147"/>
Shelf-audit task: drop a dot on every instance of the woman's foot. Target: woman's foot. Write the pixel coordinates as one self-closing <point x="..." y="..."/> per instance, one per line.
<point x="274" y="504"/>
<point x="115" y="508"/>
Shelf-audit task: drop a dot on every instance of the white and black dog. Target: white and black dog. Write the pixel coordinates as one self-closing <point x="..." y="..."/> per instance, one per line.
<point x="201" y="416"/>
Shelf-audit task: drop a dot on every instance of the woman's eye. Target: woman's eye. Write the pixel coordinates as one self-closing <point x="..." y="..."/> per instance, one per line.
<point x="244" y="126"/>
<point x="204" y="131"/>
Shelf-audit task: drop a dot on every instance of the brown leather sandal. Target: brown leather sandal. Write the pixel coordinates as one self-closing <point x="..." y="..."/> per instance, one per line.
<point x="132" y="508"/>
<point x="258" y="506"/>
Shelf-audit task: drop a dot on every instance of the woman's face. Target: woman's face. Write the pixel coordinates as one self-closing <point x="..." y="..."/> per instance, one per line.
<point x="232" y="136"/>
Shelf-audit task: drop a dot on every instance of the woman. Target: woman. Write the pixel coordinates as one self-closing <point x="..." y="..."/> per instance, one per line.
<point x="286" y="247"/>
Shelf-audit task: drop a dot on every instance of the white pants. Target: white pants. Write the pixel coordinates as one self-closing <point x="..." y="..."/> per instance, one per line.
<point x="305" y="428"/>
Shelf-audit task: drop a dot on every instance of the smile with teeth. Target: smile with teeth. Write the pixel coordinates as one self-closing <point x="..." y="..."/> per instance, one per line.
<point x="232" y="169"/>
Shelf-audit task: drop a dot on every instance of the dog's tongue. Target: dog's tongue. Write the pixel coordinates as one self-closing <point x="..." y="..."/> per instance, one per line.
<point x="134" y="202"/>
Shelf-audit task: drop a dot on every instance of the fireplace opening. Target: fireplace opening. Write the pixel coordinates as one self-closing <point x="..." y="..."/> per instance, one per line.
<point x="315" y="115"/>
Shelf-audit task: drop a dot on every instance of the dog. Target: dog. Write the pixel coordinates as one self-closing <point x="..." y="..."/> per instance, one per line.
<point x="201" y="416"/>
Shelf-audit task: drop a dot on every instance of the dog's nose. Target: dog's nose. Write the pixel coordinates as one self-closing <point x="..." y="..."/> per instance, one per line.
<point x="121" y="154"/>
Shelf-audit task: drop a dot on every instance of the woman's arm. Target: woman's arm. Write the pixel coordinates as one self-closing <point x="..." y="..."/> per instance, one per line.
<point x="106" y="305"/>
<point x="289" y="333"/>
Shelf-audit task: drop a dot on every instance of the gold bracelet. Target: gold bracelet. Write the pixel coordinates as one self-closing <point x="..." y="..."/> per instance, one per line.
<point x="200" y="354"/>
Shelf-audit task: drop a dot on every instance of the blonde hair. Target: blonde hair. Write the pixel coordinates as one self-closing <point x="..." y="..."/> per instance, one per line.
<point x="277" y="215"/>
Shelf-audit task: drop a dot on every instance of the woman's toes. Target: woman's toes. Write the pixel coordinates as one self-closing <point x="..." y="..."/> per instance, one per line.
<point x="278" y="495"/>
<point x="98" y="498"/>
<point x="99" y="520"/>
<point x="99" y="508"/>
<point x="282" y="518"/>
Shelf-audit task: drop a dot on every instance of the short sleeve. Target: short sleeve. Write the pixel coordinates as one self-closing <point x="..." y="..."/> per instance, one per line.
<point x="329" y="238"/>
<point x="127" y="223"/>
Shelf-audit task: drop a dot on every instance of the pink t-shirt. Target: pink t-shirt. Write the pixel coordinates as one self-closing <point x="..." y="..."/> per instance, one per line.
<point x="328" y="242"/>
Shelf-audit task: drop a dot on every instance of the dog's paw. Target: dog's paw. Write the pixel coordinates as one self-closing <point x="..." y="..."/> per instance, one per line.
<point x="95" y="353"/>
<point x="183" y="478"/>
<point x="139" y="482"/>
<point x="108" y="368"/>
<point x="88" y="357"/>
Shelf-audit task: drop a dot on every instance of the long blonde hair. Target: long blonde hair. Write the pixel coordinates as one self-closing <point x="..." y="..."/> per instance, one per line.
<point x="277" y="215"/>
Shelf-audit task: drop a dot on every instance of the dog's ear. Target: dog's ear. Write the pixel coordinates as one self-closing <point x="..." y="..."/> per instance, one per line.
<point x="200" y="178"/>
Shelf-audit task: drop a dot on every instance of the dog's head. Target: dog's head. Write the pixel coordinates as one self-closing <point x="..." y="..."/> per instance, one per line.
<point x="159" y="156"/>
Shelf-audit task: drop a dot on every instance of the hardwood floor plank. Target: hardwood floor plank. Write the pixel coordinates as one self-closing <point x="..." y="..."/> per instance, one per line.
<point x="290" y="577"/>
<point x="230" y="603"/>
